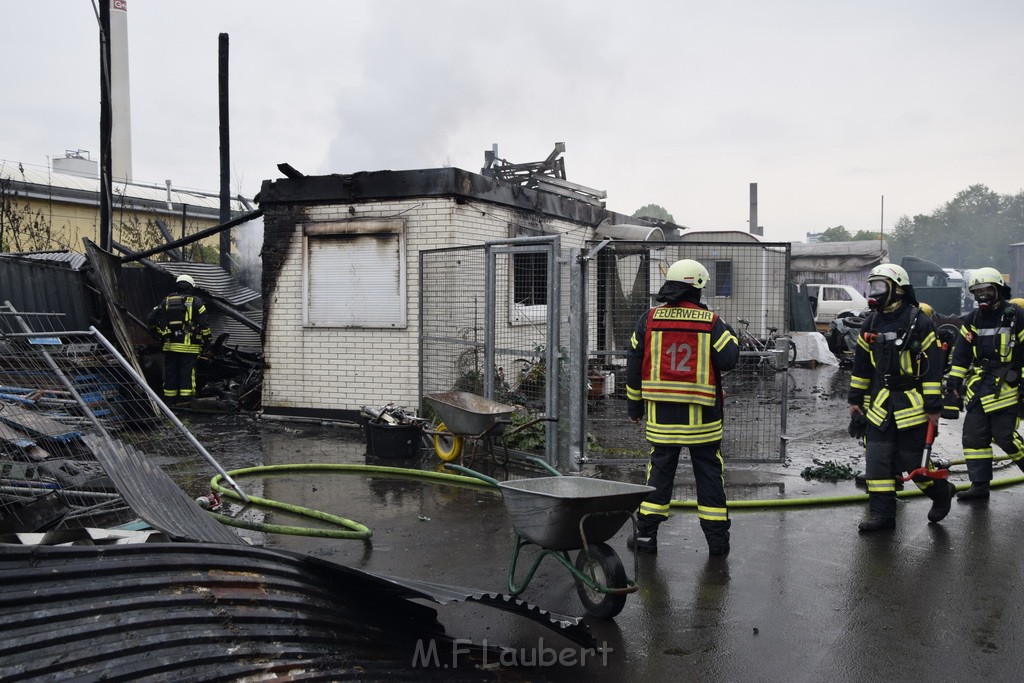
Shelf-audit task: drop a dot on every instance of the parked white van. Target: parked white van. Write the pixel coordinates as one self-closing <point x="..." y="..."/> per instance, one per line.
<point x="828" y="301"/>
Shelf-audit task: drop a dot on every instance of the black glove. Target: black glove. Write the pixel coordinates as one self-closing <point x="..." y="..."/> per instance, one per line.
<point x="955" y="385"/>
<point x="858" y="425"/>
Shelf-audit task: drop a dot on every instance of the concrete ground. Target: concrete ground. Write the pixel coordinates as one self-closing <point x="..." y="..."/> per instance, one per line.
<point x="802" y="596"/>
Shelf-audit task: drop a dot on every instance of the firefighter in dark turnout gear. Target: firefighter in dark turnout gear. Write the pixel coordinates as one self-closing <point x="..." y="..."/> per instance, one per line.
<point x="985" y="371"/>
<point x="180" y="322"/>
<point x="896" y="383"/>
<point x="673" y="375"/>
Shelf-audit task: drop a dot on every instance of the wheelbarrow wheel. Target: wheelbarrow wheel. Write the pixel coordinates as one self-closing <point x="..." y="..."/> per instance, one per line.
<point x="603" y="564"/>
<point x="447" y="446"/>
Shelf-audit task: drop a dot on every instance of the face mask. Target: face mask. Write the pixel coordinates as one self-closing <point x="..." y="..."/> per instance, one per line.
<point x="986" y="297"/>
<point x="878" y="295"/>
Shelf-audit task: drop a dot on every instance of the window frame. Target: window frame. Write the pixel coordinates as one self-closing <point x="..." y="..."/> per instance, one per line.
<point x="379" y="229"/>
<point x="715" y="279"/>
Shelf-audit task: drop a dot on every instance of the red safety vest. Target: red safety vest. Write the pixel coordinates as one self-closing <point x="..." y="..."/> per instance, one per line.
<point x="677" y="355"/>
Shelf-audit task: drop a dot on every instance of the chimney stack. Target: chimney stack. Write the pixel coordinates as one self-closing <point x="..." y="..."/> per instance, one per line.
<point x="120" y="96"/>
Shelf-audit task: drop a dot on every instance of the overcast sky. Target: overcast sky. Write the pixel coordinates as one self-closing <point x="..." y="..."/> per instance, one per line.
<point x="828" y="106"/>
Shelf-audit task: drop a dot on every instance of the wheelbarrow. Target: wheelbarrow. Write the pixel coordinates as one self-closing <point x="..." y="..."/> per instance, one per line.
<point x="559" y="514"/>
<point x="464" y="416"/>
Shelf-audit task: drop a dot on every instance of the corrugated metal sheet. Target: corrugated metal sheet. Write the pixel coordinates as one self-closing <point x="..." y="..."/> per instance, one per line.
<point x="205" y="612"/>
<point x="212" y="279"/>
<point x="43" y="286"/>
<point x="72" y="259"/>
<point x="155" y="497"/>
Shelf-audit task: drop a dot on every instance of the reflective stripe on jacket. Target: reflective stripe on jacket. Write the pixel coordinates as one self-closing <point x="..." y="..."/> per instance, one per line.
<point x="674" y="365"/>
<point x="180" y="320"/>
<point x="895" y="374"/>
<point x="988" y="356"/>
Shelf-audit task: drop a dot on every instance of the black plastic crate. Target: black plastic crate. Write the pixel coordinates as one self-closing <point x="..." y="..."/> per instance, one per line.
<point x="393" y="441"/>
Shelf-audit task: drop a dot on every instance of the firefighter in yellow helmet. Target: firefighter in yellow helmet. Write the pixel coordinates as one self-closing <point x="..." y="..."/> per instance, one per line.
<point x="673" y="377"/>
<point x="986" y="370"/>
<point x="896" y="384"/>
<point x="180" y="321"/>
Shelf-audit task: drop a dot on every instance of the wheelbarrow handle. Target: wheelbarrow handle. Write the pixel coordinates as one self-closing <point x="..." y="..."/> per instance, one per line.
<point x="543" y="463"/>
<point x="473" y="473"/>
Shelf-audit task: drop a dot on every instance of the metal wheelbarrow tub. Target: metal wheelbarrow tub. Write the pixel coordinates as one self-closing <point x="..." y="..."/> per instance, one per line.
<point x="547" y="511"/>
<point x="467" y="414"/>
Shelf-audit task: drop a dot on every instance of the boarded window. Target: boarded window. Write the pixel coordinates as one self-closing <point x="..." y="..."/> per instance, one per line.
<point x="354" y="274"/>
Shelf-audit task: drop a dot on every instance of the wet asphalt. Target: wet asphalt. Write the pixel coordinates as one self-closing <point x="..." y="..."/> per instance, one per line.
<point x="801" y="597"/>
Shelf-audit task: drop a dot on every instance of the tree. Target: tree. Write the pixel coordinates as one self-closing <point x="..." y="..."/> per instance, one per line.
<point x="864" y="235"/>
<point x="836" y="234"/>
<point x="974" y="229"/>
<point x="654" y="212"/>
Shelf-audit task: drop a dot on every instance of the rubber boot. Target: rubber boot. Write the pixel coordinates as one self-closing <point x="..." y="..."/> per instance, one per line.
<point x="978" y="491"/>
<point x="876" y="523"/>
<point x="718" y="550"/>
<point x="941" y="505"/>
<point x="644" y="539"/>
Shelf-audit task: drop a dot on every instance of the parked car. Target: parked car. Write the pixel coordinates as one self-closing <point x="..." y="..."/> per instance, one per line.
<point x="828" y="301"/>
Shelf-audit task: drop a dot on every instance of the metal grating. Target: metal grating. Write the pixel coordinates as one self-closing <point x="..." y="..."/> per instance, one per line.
<point x="79" y="426"/>
<point x="748" y="282"/>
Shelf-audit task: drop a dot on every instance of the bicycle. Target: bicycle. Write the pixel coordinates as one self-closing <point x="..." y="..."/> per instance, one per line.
<point x="767" y="351"/>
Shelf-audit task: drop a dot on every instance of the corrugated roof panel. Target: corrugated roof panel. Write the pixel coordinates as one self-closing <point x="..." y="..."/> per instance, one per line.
<point x="41" y="176"/>
<point x="212" y="279"/>
<point x="74" y="260"/>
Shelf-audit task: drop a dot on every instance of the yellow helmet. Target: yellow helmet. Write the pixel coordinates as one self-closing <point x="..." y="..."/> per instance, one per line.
<point x="1017" y="300"/>
<point x="890" y="271"/>
<point x="690" y="272"/>
<point x="927" y="310"/>
<point x="983" y="277"/>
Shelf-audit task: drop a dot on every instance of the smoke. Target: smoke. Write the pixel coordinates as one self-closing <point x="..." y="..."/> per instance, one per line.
<point x="247" y="248"/>
<point x="443" y="81"/>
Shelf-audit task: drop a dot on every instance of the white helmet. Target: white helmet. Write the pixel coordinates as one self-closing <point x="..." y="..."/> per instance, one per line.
<point x="689" y="272"/>
<point x="890" y="271"/>
<point x="983" y="277"/>
<point x="187" y="279"/>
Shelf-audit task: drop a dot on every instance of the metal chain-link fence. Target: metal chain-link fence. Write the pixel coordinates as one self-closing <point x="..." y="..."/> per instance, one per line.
<point x="65" y="397"/>
<point x="486" y="319"/>
<point x="747" y="288"/>
<point x="489" y="314"/>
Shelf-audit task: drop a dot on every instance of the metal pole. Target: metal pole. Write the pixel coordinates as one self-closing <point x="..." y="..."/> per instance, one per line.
<point x="225" y="155"/>
<point x="168" y="413"/>
<point x="106" y="117"/>
<point x="881" y="225"/>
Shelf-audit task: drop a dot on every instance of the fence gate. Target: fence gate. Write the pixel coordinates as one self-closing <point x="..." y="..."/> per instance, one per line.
<point x="489" y="325"/>
<point x="748" y="283"/>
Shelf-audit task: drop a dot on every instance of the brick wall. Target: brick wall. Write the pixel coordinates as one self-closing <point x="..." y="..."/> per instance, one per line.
<point x="328" y="369"/>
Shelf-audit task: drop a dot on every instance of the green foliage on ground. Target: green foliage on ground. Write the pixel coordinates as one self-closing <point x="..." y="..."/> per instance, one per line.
<point x="828" y="471"/>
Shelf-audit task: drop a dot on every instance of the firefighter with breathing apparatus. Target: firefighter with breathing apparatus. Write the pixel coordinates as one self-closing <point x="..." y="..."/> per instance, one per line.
<point x="673" y="377"/>
<point x="180" y="322"/>
<point x="896" y="385"/>
<point x="985" y="371"/>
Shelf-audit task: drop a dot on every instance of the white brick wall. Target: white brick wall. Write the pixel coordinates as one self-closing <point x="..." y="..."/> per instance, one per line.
<point x="342" y="369"/>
